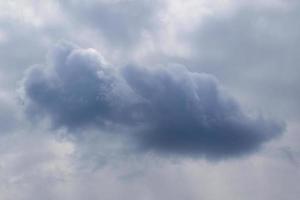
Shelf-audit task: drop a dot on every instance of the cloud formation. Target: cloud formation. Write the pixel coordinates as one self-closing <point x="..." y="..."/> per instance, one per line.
<point x="75" y="88"/>
<point x="188" y="113"/>
<point x="168" y="110"/>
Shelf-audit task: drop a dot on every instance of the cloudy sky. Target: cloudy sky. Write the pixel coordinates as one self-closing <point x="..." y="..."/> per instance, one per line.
<point x="149" y="99"/>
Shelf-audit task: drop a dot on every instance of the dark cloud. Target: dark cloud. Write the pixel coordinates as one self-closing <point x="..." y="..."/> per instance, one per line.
<point x="188" y="113"/>
<point x="168" y="109"/>
<point x="121" y="22"/>
<point x="75" y="88"/>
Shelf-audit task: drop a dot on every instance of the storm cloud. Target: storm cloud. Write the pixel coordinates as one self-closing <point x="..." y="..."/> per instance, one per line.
<point x="168" y="109"/>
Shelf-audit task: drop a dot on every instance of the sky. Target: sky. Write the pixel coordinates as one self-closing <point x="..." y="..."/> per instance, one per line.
<point x="149" y="99"/>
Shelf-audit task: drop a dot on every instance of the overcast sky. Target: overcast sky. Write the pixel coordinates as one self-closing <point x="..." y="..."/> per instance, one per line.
<point x="149" y="99"/>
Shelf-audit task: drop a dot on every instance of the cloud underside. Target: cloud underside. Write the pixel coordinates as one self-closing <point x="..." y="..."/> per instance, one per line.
<point x="167" y="110"/>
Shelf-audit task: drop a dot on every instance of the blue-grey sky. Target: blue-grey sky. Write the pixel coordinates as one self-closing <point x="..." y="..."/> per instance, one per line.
<point x="149" y="99"/>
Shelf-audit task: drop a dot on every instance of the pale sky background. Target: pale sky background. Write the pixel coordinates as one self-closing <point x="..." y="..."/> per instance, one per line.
<point x="149" y="99"/>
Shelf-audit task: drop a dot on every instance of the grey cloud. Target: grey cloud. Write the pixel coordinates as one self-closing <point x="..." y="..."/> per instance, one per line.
<point x="188" y="113"/>
<point x="75" y="88"/>
<point x="169" y="110"/>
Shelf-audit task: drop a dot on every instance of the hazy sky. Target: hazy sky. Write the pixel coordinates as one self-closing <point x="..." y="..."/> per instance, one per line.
<point x="149" y="99"/>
